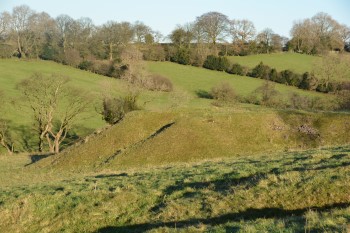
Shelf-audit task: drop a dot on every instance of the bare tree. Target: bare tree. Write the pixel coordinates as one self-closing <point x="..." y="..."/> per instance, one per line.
<point x="64" y="24"/>
<point x="265" y="39"/>
<point x="344" y="32"/>
<point x="141" y="32"/>
<point x="116" y="35"/>
<point x="20" y="21"/>
<point x="5" y="19"/>
<point x="79" y="34"/>
<point x="215" y="26"/>
<point x="51" y="100"/>
<point x="76" y="104"/>
<point x="41" y="26"/>
<point x="276" y="42"/>
<point x="318" y="34"/>
<point x="181" y="36"/>
<point x="242" y="30"/>
<point x="330" y="68"/>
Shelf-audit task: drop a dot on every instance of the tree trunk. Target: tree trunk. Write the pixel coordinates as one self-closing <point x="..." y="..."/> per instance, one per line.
<point x="110" y="51"/>
<point x="41" y="143"/>
<point x="9" y="148"/>
<point x="57" y="142"/>
<point x="21" y="54"/>
<point x="50" y="143"/>
<point x="57" y="146"/>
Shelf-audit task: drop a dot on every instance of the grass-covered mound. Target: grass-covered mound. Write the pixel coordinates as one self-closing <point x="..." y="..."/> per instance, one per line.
<point x="148" y="139"/>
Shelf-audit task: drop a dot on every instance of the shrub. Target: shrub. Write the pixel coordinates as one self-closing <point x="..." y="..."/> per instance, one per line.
<point x="260" y="71"/>
<point x="114" y="109"/>
<point x="210" y="63"/>
<point x="107" y="68"/>
<point x="48" y="53"/>
<point x="182" y="56"/>
<point x="274" y="76"/>
<point x="154" y="53"/>
<point x="290" y="78"/>
<point x="238" y="69"/>
<point x="157" y="83"/>
<point x="269" y="96"/>
<point x="72" y="57"/>
<point x="216" y="63"/>
<point x="344" y="99"/>
<point x="297" y="101"/>
<point x="223" y="92"/>
<point x="85" y="65"/>
<point x="308" y="82"/>
<point x="6" y="51"/>
<point x="326" y="87"/>
<point x="323" y="103"/>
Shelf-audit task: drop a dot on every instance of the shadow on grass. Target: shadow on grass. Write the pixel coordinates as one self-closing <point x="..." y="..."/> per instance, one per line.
<point x="249" y="214"/>
<point x="37" y="157"/>
<point x="203" y="94"/>
<point x="220" y="186"/>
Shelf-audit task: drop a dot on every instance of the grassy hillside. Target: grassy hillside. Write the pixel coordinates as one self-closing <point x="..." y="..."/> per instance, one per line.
<point x="193" y="79"/>
<point x="296" y="62"/>
<point x="304" y="191"/>
<point x="12" y="71"/>
<point x="187" y="80"/>
<point x="181" y="164"/>
<point x="147" y="139"/>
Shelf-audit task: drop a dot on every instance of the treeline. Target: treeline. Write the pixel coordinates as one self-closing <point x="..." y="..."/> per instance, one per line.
<point x="28" y="34"/>
<point x="112" y="48"/>
<point x="25" y="33"/>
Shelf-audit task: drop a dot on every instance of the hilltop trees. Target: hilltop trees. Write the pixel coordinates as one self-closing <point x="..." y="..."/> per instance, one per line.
<point x="242" y="30"/>
<point x="214" y="26"/>
<point x="4" y="23"/>
<point x="116" y="35"/>
<point x="319" y="34"/>
<point x="28" y="34"/>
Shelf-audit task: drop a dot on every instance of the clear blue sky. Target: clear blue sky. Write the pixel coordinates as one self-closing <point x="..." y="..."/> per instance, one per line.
<point x="164" y="15"/>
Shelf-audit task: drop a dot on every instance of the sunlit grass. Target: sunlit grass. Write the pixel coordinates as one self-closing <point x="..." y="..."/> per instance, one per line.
<point x="280" y="192"/>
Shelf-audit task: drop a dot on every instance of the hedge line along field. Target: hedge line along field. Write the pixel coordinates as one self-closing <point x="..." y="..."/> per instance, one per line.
<point x="299" y="63"/>
<point x="305" y="191"/>
<point x="193" y="79"/>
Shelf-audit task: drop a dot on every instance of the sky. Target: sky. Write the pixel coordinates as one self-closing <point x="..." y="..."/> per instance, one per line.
<point x="165" y="15"/>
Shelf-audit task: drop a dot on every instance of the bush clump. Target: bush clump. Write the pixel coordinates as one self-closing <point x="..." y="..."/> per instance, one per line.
<point x="114" y="109"/>
<point x="223" y="92"/>
<point x="157" y="82"/>
<point x="216" y="63"/>
<point x="237" y="69"/>
<point x="261" y="71"/>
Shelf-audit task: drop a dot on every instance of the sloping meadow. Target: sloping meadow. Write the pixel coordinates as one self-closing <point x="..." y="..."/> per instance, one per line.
<point x="148" y="139"/>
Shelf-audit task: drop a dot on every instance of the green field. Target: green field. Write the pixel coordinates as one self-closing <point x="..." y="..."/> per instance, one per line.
<point x="296" y="62"/>
<point x="180" y="163"/>
<point x="188" y="82"/>
<point x="277" y="192"/>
